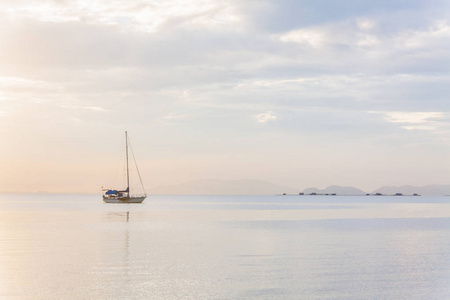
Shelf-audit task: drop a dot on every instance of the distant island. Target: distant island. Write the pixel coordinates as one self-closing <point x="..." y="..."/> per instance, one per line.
<point x="260" y="187"/>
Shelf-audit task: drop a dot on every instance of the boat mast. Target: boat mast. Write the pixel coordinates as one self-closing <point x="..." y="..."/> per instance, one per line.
<point x="128" y="175"/>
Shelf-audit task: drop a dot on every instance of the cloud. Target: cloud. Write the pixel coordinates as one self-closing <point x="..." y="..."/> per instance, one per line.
<point x="416" y="120"/>
<point x="366" y="24"/>
<point x="314" y="38"/>
<point x="20" y="83"/>
<point x="412" y="117"/>
<point x="89" y="108"/>
<point x="265" y="117"/>
<point x="172" y="118"/>
<point x="144" y="16"/>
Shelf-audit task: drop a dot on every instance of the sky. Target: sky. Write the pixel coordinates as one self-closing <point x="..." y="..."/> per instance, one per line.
<point x="298" y="93"/>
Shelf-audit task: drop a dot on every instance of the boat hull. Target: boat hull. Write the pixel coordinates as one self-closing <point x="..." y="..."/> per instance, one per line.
<point x="123" y="199"/>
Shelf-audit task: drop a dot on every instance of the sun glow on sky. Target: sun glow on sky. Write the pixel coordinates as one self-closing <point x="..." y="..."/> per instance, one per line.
<point x="299" y="93"/>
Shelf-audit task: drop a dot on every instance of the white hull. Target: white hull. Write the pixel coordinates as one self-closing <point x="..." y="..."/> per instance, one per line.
<point x="123" y="199"/>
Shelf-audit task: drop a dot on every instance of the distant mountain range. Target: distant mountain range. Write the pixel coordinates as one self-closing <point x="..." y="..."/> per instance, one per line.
<point x="259" y="187"/>
<point x="223" y="187"/>
<point x="335" y="189"/>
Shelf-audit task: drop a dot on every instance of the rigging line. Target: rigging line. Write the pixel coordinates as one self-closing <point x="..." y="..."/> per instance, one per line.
<point x="137" y="168"/>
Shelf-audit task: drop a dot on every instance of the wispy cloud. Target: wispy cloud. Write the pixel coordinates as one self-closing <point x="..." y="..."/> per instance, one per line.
<point x="312" y="37"/>
<point x="23" y="83"/>
<point x="415" y="120"/>
<point x="148" y="16"/>
<point x="172" y="118"/>
<point x="265" y="117"/>
<point x="90" y="108"/>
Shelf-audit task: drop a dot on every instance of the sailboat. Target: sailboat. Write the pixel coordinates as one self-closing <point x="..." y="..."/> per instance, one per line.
<point x="125" y="196"/>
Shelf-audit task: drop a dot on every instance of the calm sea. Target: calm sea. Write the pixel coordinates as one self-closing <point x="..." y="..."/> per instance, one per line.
<point x="225" y="247"/>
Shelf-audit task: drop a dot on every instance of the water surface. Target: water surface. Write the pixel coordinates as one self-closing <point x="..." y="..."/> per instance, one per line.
<point x="224" y="247"/>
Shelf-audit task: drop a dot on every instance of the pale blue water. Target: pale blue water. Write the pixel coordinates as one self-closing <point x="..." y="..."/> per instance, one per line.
<point x="225" y="247"/>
